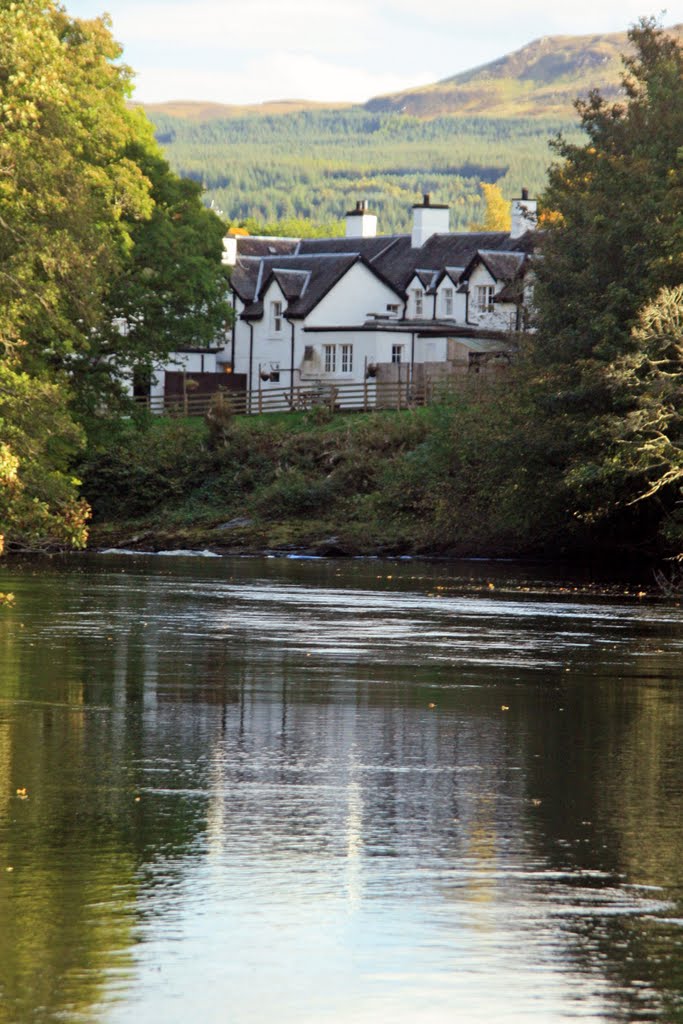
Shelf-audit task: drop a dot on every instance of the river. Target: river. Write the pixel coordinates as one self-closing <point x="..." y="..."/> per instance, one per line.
<point x="279" y="790"/>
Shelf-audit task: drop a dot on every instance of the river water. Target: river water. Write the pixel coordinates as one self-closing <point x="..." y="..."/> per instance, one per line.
<point x="268" y="790"/>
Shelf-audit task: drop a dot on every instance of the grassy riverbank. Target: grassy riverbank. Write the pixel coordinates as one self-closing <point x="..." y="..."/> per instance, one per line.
<point x="463" y="478"/>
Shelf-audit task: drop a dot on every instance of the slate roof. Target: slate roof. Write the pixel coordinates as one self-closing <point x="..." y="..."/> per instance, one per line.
<point x="304" y="280"/>
<point x="244" y="276"/>
<point x="292" y="283"/>
<point x="391" y="257"/>
<point x="503" y="266"/>
<point x="257" y="245"/>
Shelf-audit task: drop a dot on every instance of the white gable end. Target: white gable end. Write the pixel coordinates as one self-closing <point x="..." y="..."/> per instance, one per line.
<point x="352" y="299"/>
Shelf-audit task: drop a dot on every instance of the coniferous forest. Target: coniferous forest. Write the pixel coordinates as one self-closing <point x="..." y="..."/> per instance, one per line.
<point x="314" y="164"/>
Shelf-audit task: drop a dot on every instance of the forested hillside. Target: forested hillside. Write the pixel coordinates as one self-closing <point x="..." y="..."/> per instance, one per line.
<point x="315" y="164"/>
<point x="292" y="159"/>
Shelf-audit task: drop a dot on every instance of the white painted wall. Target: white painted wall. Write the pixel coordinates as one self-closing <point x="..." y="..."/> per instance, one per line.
<point x="499" y="318"/>
<point x="352" y="299"/>
<point x="414" y="288"/>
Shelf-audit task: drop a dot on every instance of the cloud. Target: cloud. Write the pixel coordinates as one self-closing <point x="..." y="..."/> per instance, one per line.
<point x="209" y="26"/>
<point x="238" y="52"/>
<point x="282" y="75"/>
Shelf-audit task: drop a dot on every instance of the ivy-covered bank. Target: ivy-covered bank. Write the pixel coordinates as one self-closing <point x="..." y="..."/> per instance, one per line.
<point x="466" y="478"/>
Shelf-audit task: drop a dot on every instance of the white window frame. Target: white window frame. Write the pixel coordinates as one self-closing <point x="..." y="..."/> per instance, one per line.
<point x="483" y="298"/>
<point x="346" y="358"/>
<point x="418" y="295"/>
<point x="330" y="357"/>
<point x="447" y="302"/>
<point x="276" y="316"/>
<point x="397" y="354"/>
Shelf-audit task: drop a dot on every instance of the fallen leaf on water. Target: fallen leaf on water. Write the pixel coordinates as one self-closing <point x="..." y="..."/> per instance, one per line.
<point x="504" y="707"/>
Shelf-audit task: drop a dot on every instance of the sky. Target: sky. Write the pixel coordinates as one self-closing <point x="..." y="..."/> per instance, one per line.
<point x="251" y="51"/>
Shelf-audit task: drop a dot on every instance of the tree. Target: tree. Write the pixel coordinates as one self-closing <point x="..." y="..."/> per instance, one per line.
<point x="93" y="225"/>
<point x="66" y="181"/>
<point x="613" y="241"/>
<point x="616" y="232"/>
<point x="497" y="216"/>
<point x="649" y="438"/>
<point x="39" y="502"/>
<point x="171" y="290"/>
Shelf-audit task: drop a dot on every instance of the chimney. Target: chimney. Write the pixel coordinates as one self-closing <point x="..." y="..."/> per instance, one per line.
<point x="428" y="220"/>
<point x="360" y="223"/>
<point x="229" y="258"/>
<point x="524" y="216"/>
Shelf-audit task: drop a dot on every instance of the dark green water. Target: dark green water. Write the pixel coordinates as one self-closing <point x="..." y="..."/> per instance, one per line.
<point x="240" y="806"/>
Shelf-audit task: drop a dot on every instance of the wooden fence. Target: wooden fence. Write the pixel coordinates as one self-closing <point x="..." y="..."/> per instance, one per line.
<point x="362" y="397"/>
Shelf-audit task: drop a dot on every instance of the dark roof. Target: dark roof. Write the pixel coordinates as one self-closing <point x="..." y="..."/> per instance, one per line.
<point x="244" y="277"/>
<point x="391" y="257"/>
<point x="304" y="280"/>
<point x="259" y="245"/>
<point x="292" y="282"/>
<point x="370" y="248"/>
<point x="503" y="266"/>
<point x="426" y="278"/>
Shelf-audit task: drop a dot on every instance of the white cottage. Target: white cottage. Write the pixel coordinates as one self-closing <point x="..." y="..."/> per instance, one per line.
<point x="429" y="303"/>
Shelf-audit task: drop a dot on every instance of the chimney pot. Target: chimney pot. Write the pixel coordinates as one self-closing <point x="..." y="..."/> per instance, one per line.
<point x="427" y="198"/>
<point x="525" y="193"/>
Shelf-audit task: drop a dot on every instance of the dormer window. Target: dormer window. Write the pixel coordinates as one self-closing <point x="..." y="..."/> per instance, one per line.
<point x="448" y="302"/>
<point x="418" y="295"/>
<point x="483" y="298"/>
<point x="276" y="317"/>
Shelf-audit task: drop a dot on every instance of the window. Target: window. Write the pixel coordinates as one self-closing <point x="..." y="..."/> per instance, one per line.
<point x="276" y="317"/>
<point x="448" y="302"/>
<point x="483" y="298"/>
<point x="392" y="309"/>
<point x="330" y="353"/>
<point x="346" y="358"/>
<point x="397" y="353"/>
<point x="419" y="295"/>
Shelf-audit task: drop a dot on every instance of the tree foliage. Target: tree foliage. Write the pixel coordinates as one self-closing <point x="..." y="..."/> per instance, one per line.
<point x="66" y="183"/>
<point x="617" y="234"/>
<point x="39" y="503"/>
<point x="497" y="216"/>
<point x="93" y="225"/>
<point x="612" y="245"/>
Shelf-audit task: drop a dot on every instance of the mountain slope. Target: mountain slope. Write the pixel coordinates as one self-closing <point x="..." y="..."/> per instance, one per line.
<point x="543" y="79"/>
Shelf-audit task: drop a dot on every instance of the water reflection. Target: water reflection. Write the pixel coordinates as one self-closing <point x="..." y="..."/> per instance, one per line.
<point x="345" y="792"/>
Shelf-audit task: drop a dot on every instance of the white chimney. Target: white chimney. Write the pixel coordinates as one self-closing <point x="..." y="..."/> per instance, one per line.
<point x="360" y="223"/>
<point x="229" y="251"/>
<point x="524" y="215"/>
<point x="428" y="220"/>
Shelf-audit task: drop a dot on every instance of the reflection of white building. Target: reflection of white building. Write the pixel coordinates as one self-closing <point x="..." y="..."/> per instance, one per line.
<point x="323" y="310"/>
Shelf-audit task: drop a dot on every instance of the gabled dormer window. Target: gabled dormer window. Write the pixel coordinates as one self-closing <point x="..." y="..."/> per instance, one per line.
<point x="447" y="301"/>
<point x="418" y="295"/>
<point x="276" y="317"/>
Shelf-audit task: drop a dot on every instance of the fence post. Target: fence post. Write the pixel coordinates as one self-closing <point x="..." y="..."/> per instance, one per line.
<point x="398" y="394"/>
